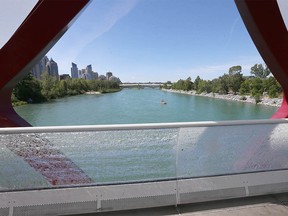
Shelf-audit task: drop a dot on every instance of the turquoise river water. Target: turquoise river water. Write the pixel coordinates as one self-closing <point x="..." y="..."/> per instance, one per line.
<point x="138" y="106"/>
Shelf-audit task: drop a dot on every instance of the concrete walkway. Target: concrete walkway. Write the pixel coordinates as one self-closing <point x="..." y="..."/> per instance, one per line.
<point x="276" y="205"/>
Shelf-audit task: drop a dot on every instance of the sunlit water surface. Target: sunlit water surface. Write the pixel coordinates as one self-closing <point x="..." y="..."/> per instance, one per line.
<point x="138" y="106"/>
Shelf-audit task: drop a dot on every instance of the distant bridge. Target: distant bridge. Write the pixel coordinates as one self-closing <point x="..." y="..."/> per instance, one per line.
<point x="140" y="85"/>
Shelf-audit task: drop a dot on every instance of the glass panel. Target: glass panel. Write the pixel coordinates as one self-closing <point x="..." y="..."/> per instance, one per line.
<point x="89" y="157"/>
<point x="220" y="150"/>
<point x="14" y="171"/>
<point x="120" y="156"/>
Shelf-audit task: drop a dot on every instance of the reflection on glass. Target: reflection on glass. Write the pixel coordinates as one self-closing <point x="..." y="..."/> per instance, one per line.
<point x="224" y="150"/>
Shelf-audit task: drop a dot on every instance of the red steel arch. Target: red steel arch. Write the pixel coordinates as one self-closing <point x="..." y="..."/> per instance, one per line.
<point x="28" y="44"/>
<point x="267" y="29"/>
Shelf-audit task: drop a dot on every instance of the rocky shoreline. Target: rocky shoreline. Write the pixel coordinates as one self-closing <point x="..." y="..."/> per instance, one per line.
<point x="264" y="101"/>
<point x="92" y="93"/>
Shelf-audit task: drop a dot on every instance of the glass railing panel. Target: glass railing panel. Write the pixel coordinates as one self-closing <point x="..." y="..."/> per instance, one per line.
<point x="14" y="171"/>
<point x="221" y="150"/>
<point x="120" y="156"/>
<point x="85" y="158"/>
<point x="57" y="157"/>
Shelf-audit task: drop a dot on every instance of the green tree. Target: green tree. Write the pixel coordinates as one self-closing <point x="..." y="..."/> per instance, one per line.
<point x="204" y="86"/>
<point x="258" y="70"/>
<point x="179" y="85"/>
<point x="272" y="87"/>
<point x="48" y="86"/>
<point x="235" y="81"/>
<point x="235" y="70"/>
<point x="92" y="85"/>
<point x="188" y="84"/>
<point x="224" y="84"/>
<point x="74" y="86"/>
<point x="216" y="85"/>
<point x="246" y="87"/>
<point x="257" y="88"/>
<point x="196" y="83"/>
<point x="28" y="90"/>
<point x="62" y="87"/>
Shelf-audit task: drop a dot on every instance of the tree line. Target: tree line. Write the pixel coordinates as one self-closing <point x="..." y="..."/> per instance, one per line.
<point x="32" y="90"/>
<point x="260" y="82"/>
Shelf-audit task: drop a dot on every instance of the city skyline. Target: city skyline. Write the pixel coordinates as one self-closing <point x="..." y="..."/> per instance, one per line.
<point x="51" y="67"/>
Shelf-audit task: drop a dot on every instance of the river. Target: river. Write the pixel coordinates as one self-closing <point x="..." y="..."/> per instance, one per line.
<point x="138" y="106"/>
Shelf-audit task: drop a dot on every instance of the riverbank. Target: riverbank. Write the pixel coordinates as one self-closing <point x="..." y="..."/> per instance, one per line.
<point x="92" y="93"/>
<point x="276" y="102"/>
<point x="105" y="91"/>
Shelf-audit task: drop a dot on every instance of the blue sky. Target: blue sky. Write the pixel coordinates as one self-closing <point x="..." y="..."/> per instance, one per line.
<point x="157" y="40"/>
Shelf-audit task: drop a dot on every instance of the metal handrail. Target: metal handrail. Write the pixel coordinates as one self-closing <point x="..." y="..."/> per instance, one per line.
<point x="113" y="127"/>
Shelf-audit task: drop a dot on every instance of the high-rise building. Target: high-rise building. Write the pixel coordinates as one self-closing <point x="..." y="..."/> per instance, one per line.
<point x="88" y="73"/>
<point x="89" y="68"/>
<point x="102" y="77"/>
<point x="108" y="75"/>
<point x="94" y="75"/>
<point x="74" y="71"/>
<point x="52" y="68"/>
<point x="115" y="79"/>
<point x="40" y="68"/>
<point x="84" y="74"/>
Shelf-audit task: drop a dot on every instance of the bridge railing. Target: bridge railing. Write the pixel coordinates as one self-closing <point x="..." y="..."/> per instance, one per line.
<point x="112" y="167"/>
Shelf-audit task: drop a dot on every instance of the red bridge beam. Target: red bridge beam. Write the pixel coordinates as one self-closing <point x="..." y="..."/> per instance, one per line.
<point x="267" y="29"/>
<point x="28" y="45"/>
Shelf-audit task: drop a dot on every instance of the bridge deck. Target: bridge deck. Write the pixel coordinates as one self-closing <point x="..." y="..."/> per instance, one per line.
<point x="276" y="205"/>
